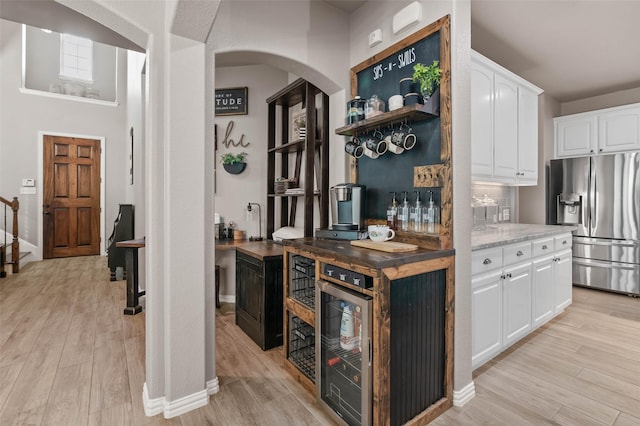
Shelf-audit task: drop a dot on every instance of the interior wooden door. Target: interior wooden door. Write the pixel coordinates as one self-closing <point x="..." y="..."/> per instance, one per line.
<point x="71" y="201"/>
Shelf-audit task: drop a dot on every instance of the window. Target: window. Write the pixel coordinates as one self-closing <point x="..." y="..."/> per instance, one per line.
<point x="76" y="58"/>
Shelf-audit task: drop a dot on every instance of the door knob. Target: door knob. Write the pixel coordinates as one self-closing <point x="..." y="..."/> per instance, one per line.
<point x="46" y="212"/>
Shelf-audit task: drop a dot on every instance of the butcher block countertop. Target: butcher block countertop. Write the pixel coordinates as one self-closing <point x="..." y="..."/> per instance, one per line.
<point x="514" y="232"/>
<point x="363" y="256"/>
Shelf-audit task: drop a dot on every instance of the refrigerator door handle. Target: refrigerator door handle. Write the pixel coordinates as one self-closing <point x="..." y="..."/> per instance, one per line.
<point x="593" y="220"/>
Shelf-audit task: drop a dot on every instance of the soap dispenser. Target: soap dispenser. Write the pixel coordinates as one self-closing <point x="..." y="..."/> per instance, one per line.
<point x="392" y="213"/>
<point x="403" y="213"/>
<point x="433" y="215"/>
<point x="415" y="215"/>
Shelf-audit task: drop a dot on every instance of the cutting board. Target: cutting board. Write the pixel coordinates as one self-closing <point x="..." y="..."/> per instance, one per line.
<point x="388" y="246"/>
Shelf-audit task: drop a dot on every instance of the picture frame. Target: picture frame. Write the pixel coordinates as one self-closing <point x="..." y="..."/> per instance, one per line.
<point x="298" y="125"/>
<point x="231" y="101"/>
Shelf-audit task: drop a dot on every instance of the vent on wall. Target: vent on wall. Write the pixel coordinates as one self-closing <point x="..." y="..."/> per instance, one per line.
<point x="407" y="16"/>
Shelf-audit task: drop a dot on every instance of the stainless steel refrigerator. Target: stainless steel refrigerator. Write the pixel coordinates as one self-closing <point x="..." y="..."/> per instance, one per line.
<point x="600" y="195"/>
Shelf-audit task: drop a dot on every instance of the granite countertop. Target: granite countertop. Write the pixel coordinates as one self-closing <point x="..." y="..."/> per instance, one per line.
<point x="514" y="232"/>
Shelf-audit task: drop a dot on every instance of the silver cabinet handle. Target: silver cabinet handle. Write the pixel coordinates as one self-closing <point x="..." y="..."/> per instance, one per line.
<point x="509" y="275"/>
<point x="544" y="247"/>
<point x="564" y="242"/>
<point x="486" y="261"/>
<point x="519" y="253"/>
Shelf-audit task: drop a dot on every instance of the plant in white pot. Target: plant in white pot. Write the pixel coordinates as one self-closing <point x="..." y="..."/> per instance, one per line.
<point x="233" y="163"/>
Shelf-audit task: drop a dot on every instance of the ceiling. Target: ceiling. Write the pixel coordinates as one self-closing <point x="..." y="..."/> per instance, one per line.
<point x="59" y="18"/>
<point x="573" y="49"/>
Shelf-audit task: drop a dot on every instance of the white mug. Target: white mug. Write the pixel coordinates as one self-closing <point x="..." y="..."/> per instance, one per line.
<point x="380" y="233"/>
<point x="396" y="149"/>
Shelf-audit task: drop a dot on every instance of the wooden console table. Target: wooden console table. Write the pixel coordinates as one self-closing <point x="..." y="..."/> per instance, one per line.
<point x="131" y="248"/>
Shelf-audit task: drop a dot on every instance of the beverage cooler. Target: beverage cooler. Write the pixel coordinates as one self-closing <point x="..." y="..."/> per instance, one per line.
<point x="344" y="353"/>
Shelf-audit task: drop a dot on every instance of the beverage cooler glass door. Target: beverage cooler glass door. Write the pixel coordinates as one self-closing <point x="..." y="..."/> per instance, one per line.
<point x="343" y="353"/>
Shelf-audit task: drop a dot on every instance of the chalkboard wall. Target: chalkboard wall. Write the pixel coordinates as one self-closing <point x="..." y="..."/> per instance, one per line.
<point x="391" y="172"/>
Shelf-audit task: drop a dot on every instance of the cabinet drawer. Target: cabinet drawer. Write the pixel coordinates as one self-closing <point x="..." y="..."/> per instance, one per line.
<point x="514" y="253"/>
<point x="542" y="246"/>
<point x="562" y="242"/>
<point x="486" y="260"/>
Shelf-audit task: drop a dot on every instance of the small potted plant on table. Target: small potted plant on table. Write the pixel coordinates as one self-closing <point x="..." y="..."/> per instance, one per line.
<point x="234" y="163"/>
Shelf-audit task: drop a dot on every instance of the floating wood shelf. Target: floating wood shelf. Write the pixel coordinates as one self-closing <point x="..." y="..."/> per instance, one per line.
<point x="409" y="113"/>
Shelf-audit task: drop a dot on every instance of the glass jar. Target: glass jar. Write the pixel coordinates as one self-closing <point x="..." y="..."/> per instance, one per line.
<point x="355" y="110"/>
<point x="375" y="106"/>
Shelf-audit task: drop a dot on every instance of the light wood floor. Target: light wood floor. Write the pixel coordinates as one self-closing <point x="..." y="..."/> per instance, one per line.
<point x="68" y="356"/>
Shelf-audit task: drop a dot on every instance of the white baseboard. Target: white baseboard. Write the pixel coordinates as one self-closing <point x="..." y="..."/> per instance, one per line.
<point x="169" y="409"/>
<point x="152" y="407"/>
<point x="185" y="404"/>
<point x="464" y="395"/>
<point x="228" y="299"/>
<point x="213" y="386"/>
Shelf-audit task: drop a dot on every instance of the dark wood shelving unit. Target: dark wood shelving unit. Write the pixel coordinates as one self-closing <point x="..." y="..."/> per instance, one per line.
<point x="311" y="155"/>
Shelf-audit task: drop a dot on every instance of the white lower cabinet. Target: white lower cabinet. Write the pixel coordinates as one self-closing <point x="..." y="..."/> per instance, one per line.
<point x="562" y="280"/>
<point x="516" y="303"/>
<point x="543" y="290"/>
<point x="486" y="292"/>
<point x="516" y="292"/>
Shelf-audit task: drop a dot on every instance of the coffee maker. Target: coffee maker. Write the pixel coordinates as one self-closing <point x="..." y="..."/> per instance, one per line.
<point x="347" y="201"/>
<point x="347" y="206"/>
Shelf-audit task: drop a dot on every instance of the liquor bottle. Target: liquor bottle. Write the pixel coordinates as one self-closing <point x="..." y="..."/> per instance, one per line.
<point x="403" y="213"/>
<point x="392" y="213"/>
<point x="415" y="215"/>
<point x="433" y="215"/>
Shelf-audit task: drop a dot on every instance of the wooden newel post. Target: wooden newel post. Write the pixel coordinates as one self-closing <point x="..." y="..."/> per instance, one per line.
<point x="15" y="244"/>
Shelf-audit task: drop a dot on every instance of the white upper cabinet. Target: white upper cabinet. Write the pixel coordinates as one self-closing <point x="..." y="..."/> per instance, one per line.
<point x="504" y="125"/>
<point x="481" y="120"/>
<point x="505" y="136"/>
<point x="527" y="136"/>
<point x="576" y="136"/>
<point x="598" y="132"/>
<point x="619" y="130"/>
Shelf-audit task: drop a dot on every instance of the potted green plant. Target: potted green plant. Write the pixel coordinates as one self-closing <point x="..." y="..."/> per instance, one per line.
<point x="429" y="78"/>
<point x="233" y="163"/>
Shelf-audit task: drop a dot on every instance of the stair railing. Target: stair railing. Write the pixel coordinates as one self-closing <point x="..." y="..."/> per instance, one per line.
<point x="15" y="244"/>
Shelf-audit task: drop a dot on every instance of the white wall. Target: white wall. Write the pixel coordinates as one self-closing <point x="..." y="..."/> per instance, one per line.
<point x="373" y="15"/>
<point x="23" y="115"/>
<point x="43" y="64"/>
<point x="308" y="39"/>
<point x="623" y="97"/>
<point x="233" y="192"/>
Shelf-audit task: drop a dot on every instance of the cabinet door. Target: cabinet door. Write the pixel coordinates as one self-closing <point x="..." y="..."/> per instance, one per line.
<point x="486" y="308"/>
<point x="543" y="290"/>
<point x="505" y="139"/>
<point x="516" y="303"/>
<point x="249" y="296"/>
<point x="619" y="130"/>
<point x="527" y="137"/>
<point x="563" y="280"/>
<point x="481" y="121"/>
<point x="576" y="136"/>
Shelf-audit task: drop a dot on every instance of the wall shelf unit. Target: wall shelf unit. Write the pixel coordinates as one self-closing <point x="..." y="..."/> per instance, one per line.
<point x="310" y="162"/>
<point x="428" y="166"/>
<point x="409" y="113"/>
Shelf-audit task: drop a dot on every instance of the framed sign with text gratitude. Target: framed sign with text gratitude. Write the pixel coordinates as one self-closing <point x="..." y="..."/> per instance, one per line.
<point x="232" y="101"/>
